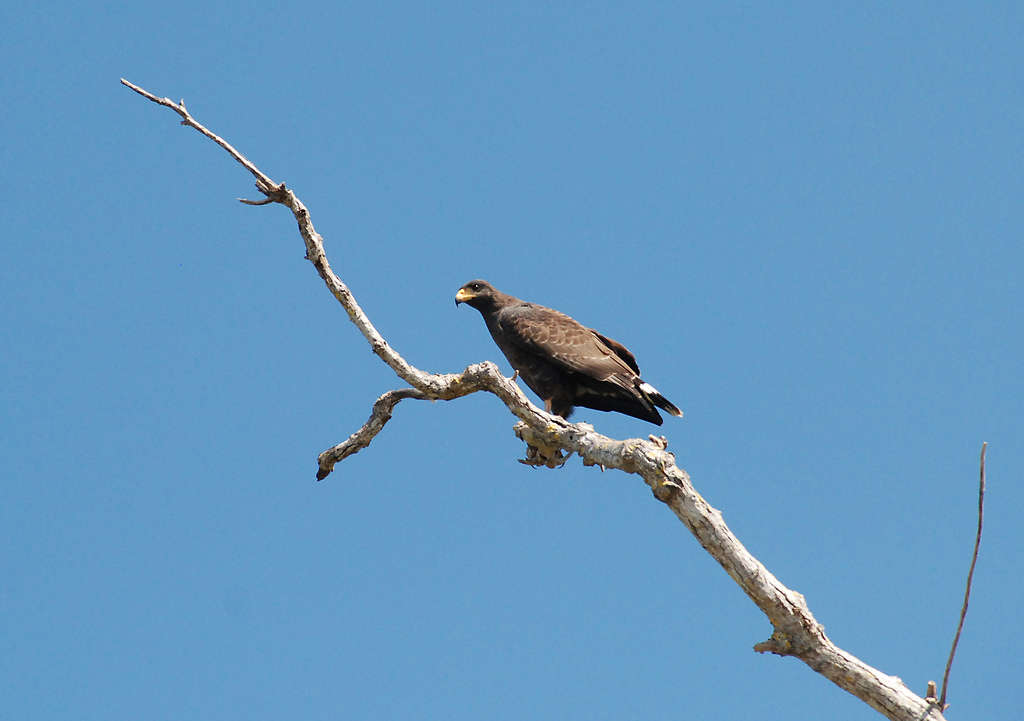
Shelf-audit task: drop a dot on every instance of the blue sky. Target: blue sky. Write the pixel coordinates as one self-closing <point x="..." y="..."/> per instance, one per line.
<point x="805" y="221"/>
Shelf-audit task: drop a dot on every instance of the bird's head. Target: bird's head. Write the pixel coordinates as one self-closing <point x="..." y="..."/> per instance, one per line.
<point x="476" y="293"/>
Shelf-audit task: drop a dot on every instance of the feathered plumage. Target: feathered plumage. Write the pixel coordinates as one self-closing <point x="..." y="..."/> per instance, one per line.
<point x="562" y="361"/>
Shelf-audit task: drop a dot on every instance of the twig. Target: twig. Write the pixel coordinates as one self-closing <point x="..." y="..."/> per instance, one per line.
<point x="267" y="184"/>
<point x="359" y="440"/>
<point x="970" y="577"/>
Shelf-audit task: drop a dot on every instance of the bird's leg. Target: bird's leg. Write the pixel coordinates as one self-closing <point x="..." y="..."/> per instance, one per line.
<point x="547" y="405"/>
<point x="537" y="452"/>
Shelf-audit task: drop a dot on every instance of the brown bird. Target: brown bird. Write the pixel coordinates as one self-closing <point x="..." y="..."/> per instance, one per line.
<point x="562" y="361"/>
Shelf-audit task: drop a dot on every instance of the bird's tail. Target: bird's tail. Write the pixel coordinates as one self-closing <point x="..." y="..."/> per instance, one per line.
<point x="659" y="400"/>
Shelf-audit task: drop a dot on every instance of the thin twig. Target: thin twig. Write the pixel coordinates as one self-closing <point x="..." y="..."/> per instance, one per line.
<point x="187" y="119"/>
<point x="970" y="577"/>
<point x="382" y="411"/>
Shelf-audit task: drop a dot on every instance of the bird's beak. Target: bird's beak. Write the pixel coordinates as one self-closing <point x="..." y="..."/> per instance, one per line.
<point x="462" y="296"/>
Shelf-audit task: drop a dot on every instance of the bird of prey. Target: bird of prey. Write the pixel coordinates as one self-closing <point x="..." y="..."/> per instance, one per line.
<point x="562" y="361"/>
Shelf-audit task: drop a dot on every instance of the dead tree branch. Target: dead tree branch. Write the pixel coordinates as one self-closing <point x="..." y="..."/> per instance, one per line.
<point x="796" y="632"/>
<point x="359" y="440"/>
<point x="970" y="579"/>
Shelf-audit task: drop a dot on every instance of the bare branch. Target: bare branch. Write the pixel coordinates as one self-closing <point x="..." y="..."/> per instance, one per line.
<point x="359" y="440"/>
<point x="186" y="119"/>
<point x="970" y="578"/>
<point x="796" y="632"/>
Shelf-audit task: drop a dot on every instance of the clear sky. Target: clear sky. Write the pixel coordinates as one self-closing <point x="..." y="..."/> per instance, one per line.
<point x="804" y="219"/>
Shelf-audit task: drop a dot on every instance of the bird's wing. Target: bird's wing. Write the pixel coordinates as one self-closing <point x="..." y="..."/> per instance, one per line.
<point x="620" y="350"/>
<point x="561" y="340"/>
